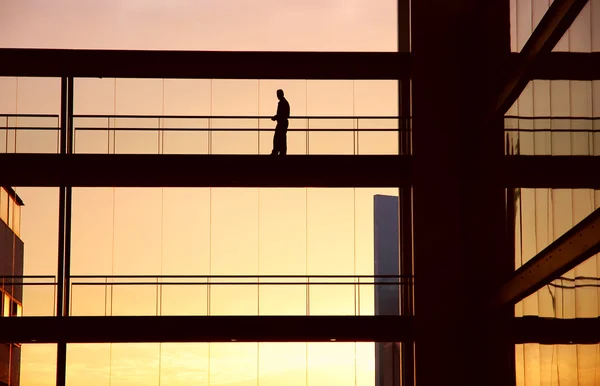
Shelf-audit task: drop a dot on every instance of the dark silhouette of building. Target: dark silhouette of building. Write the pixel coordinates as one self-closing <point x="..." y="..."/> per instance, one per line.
<point x="387" y="296"/>
<point x="11" y="264"/>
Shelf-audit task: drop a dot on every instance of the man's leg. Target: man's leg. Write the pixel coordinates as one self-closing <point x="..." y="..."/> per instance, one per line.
<point x="275" y="144"/>
<point x="283" y="144"/>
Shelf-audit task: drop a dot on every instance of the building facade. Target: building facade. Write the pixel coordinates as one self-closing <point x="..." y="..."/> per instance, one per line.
<point x="11" y="260"/>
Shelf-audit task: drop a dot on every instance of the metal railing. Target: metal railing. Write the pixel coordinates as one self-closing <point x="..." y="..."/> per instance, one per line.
<point x="17" y="283"/>
<point x="234" y="294"/>
<point x="203" y="134"/>
<point x="545" y="135"/>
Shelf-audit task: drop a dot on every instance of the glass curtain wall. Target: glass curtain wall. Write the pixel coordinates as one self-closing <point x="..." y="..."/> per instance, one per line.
<point x="583" y="36"/>
<point x="558" y="117"/>
<point x="220" y="116"/>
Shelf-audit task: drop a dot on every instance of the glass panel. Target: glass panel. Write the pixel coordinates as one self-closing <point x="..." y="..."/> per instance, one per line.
<point x="242" y="26"/>
<point x="557" y="117"/>
<point x="7" y="305"/>
<point x="177" y="116"/>
<point x="39" y="249"/>
<point x="17" y="309"/>
<point x="557" y="364"/>
<point x="225" y="363"/>
<point x="11" y="211"/>
<point x="134" y="364"/>
<point x="171" y="241"/>
<point x="38" y="364"/>
<point x="17" y="220"/>
<point x="543" y="215"/>
<point x="582" y="36"/>
<point x="4" y="205"/>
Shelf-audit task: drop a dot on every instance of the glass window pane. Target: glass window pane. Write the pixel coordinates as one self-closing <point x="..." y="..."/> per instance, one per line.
<point x="7" y="304"/>
<point x="11" y="210"/>
<point x="4" y="205"/>
<point x="17" y="220"/>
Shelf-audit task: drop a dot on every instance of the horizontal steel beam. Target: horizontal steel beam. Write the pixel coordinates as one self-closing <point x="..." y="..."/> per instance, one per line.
<point x="258" y="65"/>
<point x="133" y="170"/>
<point x="549" y="31"/>
<point x="533" y="329"/>
<point x="149" y="329"/>
<point x="559" y="172"/>
<point x="151" y="170"/>
<point x="565" y="253"/>
<point x="567" y="66"/>
<point x="204" y="64"/>
<point x="129" y="329"/>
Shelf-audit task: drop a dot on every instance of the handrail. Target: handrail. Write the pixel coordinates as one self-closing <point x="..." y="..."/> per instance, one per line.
<point x="222" y="129"/>
<point x="130" y="116"/>
<point x="269" y="117"/>
<point x="188" y="129"/>
<point x="30" y="115"/>
<point x="235" y="283"/>
<point x="28" y="276"/>
<point x="155" y="280"/>
<point x="546" y="117"/>
<point x="554" y="130"/>
<point x="237" y="276"/>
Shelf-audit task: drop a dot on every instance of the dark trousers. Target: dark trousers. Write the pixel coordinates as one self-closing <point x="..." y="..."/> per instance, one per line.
<point x="280" y="138"/>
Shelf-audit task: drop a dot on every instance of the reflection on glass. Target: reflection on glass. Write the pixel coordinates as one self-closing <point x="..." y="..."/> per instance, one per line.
<point x="38" y="365"/>
<point x="199" y="234"/>
<point x="542" y="216"/>
<point x="557" y="364"/>
<point x="254" y="364"/>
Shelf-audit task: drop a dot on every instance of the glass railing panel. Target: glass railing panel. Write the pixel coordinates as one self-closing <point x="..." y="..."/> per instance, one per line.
<point x="29" y="133"/>
<point x="559" y="136"/>
<point x="283" y="296"/>
<point x="98" y="134"/>
<point x="94" y="298"/>
<point x="185" y="135"/>
<point x="365" y="295"/>
<point x="297" y="136"/>
<point x="183" y="296"/>
<point x="377" y="136"/>
<point x="332" y="136"/>
<point x="93" y="135"/>
<point x="137" y="136"/>
<point x="327" y="297"/>
<point x="132" y="296"/>
<point x="234" y="136"/>
<point x="38" y="294"/>
<point x="233" y="296"/>
<point x="582" y="137"/>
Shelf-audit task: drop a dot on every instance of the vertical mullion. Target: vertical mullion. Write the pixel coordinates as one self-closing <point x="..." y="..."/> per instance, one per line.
<point x="61" y="349"/>
<point x="407" y="357"/>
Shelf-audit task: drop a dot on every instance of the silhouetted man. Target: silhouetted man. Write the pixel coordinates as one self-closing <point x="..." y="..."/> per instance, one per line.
<point x="283" y="113"/>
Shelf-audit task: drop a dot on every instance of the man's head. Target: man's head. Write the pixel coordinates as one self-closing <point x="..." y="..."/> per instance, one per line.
<point x="279" y="94"/>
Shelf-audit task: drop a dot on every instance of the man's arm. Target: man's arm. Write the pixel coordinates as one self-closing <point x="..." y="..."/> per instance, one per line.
<point x="277" y="114"/>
